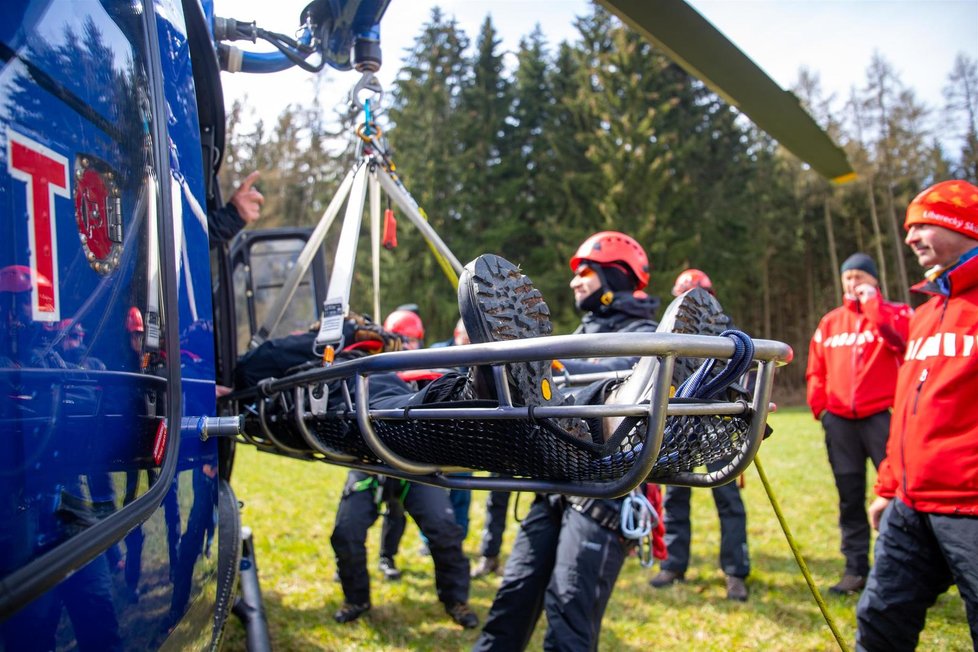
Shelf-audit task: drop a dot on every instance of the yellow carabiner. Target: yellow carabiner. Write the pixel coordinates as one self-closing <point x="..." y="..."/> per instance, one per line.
<point x="374" y="136"/>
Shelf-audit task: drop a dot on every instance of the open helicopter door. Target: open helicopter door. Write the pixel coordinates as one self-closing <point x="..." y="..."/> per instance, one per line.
<point x="260" y="262"/>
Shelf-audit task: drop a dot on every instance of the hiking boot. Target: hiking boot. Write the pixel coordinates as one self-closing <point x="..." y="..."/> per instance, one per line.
<point x="485" y="566"/>
<point x="498" y="303"/>
<point x="696" y="312"/>
<point x="387" y="567"/>
<point x="462" y="615"/>
<point x="849" y="585"/>
<point x="350" y="612"/>
<point x="736" y="589"/>
<point x="667" y="578"/>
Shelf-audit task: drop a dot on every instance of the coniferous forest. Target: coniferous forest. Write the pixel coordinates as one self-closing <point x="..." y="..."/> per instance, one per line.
<point x="527" y="159"/>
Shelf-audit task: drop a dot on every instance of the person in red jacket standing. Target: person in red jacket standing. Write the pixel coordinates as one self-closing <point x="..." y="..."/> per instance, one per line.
<point x="852" y="366"/>
<point x="927" y="487"/>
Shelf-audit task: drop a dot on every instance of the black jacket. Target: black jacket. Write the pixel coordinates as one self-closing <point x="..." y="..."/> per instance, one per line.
<point x="627" y="313"/>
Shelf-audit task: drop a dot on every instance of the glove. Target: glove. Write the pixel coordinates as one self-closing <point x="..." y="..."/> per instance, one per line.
<point x="365" y="334"/>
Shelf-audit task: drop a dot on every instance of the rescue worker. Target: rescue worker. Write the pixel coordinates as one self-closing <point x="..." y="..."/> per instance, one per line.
<point x="406" y="323"/>
<point x="242" y="209"/>
<point x="431" y="510"/>
<point x="853" y="361"/>
<point x="734" y="556"/>
<point x="926" y="508"/>
<point x="692" y="278"/>
<point x="610" y="270"/>
<point x="73" y="348"/>
<point x="23" y="339"/>
<point x="569" y="550"/>
<point x="428" y="506"/>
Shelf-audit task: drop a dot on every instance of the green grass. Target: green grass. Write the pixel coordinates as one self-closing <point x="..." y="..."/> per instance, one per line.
<point x="290" y="505"/>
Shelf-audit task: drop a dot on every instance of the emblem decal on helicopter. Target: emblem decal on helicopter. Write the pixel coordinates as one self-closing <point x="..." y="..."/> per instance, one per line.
<point x="98" y="212"/>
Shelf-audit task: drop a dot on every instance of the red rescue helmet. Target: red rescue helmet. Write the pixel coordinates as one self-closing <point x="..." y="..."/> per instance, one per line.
<point x="19" y="278"/>
<point x="609" y="247"/>
<point x="134" y="320"/>
<point x="692" y="278"/>
<point x="406" y="323"/>
<point x="72" y="327"/>
<point x="460" y="335"/>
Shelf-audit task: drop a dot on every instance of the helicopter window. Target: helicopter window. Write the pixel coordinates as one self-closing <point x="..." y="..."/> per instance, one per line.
<point x="257" y="283"/>
<point x="83" y="359"/>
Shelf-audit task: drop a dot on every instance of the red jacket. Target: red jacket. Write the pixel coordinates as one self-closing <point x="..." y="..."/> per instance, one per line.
<point x="854" y="356"/>
<point x="932" y="455"/>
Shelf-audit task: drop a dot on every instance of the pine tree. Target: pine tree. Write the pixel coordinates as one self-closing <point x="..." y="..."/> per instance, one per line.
<point x="961" y="108"/>
<point x="426" y="141"/>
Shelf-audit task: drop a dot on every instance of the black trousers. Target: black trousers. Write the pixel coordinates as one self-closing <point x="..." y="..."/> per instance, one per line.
<point x="734" y="557"/>
<point x="392" y="529"/>
<point x="563" y="563"/>
<point x="430" y="509"/>
<point x="492" y="536"/>
<point x="850" y="442"/>
<point x="918" y="557"/>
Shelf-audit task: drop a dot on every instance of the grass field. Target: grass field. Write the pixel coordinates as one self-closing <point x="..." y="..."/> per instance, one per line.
<point x="290" y="506"/>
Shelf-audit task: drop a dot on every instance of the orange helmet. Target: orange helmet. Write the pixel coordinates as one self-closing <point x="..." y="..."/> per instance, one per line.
<point x="406" y="323"/>
<point x="613" y="247"/>
<point x="692" y="278"/>
<point x="19" y="278"/>
<point x="134" y="320"/>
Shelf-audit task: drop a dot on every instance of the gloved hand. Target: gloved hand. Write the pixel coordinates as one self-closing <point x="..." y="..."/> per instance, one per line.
<point x="362" y="332"/>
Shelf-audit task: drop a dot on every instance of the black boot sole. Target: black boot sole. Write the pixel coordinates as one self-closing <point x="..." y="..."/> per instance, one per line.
<point x="696" y="312"/>
<point x="498" y="304"/>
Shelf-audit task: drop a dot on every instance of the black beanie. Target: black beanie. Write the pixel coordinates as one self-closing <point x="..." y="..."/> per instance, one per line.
<point x="861" y="262"/>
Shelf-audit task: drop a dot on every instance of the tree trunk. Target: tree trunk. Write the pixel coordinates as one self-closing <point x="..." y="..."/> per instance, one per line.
<point x="833" y="254"/>
<point x="766" y="293"/>
<point x="902" y="278"/>
<point x="878" y="238"/>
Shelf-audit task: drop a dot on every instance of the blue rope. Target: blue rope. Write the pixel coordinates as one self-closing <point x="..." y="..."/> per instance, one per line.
<point x="696" y="386"/>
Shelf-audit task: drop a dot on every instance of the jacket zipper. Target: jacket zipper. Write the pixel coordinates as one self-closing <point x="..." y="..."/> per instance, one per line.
<point x="903" y="455"/>
<point x="920" y="386"/>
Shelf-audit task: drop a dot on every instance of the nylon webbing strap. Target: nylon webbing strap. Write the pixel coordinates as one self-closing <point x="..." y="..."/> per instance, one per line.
<point x="365" y="484"/>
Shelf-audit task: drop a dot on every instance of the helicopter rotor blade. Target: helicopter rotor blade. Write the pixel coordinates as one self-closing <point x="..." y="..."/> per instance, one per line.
<point x="700" y="49"/>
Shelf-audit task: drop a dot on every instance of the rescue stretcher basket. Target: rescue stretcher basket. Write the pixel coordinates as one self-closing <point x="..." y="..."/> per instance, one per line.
<point x="312" y="415"/>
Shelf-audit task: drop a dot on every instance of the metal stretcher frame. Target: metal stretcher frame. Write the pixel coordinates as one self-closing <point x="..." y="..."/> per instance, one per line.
<point x="664" y="346"/>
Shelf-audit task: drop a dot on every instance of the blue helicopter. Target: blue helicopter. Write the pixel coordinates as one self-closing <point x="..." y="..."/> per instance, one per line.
<point x="119" y="528"/>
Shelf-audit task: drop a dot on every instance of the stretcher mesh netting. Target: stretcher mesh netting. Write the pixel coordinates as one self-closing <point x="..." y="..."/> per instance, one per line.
<point x="525" y="447"/>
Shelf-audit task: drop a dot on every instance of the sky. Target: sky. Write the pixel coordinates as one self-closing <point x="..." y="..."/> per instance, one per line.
<point x="833" y="38"/>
